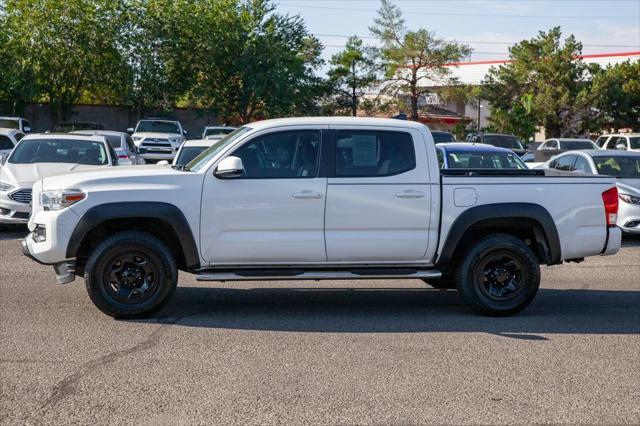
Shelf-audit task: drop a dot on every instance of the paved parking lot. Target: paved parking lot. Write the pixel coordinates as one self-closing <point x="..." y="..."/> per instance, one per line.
<point x="328" y="352"/>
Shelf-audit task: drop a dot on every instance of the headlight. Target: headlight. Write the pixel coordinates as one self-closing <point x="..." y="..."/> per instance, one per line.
<point x="5" y="186"/>
<point x="60" y="198"/>
<point x="175" y="140"/>
<point x="631" y="199"/>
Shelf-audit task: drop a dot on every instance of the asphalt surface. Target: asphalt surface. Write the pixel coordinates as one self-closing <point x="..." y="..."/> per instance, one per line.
<point x="383" y="352"/>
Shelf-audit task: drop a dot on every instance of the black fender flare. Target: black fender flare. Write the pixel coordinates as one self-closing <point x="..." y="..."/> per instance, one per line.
<point x="474" y="215"/>
<point x="138" y="209"/>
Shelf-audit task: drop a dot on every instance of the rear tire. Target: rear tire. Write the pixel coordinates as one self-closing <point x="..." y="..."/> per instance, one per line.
<point x="499" y="275"/>
<point x="130" y="274"/>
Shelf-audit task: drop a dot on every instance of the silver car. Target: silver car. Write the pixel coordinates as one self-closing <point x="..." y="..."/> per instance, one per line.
<point x="624" y="165"/>
<point x="121" y="142"/>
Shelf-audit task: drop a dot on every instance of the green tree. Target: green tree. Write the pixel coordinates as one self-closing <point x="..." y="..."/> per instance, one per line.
<point x="615" y="94"/>
<point x="413" y="61"/>
<point x="542" y="84"/>
<point x="70" y="46"/>
<point x="352" y="73"/>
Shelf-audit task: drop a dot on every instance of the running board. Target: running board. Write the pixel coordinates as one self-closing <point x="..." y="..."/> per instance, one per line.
<point x="271" y="275"/>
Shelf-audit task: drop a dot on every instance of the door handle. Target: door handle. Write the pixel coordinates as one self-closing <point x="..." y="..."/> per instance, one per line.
<point x="307" y="195"/>
<point x="409" y="193"/>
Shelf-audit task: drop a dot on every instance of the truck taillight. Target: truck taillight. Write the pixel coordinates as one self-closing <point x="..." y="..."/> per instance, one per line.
<point x="610" y="200"/>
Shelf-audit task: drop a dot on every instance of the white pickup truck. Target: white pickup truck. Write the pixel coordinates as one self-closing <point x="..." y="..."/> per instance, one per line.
<point x="318" y="198"/>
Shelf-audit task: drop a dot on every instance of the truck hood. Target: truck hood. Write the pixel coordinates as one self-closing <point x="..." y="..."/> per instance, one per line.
<point x="27" y="174"/>
<point x="629" y="186"/>
<point x="116" y="178"/>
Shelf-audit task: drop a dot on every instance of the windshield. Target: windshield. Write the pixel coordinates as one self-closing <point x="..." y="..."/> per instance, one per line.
<point x="634" y="142"/>
<point x="439" y="137"/>
<point x="218" y="131"/>
<point x="188" y="153"/>
<point x="574" y="145"/>
<point x="8" y="123"/>
<point x="625" y="167"/>
<point x="199" y="162"/>
<point x="484" y="160"/>
<point x="59" y="151"/>
<point x="158" y="126"/>
<point x="502" y="141"/>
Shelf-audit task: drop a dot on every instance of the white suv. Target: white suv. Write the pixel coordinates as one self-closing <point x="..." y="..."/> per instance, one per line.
<point x="623" y="142"/>
<point x="158" y="138"/>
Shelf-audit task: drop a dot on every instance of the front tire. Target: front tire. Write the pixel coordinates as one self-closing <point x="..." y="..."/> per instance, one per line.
<point x="130" y="274"/>
<point x="499" y="275"/>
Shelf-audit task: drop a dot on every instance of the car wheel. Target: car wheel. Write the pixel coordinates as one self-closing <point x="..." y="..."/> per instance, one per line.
<point x="499" y="275"/>
<point x="130" y="274"/>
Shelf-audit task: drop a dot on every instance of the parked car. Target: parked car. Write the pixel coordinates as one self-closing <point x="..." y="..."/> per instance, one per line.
<point x="9" y="138"/>
<point x="16" y="123"/>
<point x="442" y="137"/>
<point x="567" y="144"/>
<point x="318" y="198"/>
<point x="624" y="166"/>
<point x="121" y="142"/>
<point x="623" y="142"/>
<point x="217" y="132"/>
<point x="71" y="126"/>
<point x="38" y="156"/>
<point x="503" y="141"/>
<point x="477" y="156"/>
<point x="191" y="149"/>
<point x="158" y="138"/>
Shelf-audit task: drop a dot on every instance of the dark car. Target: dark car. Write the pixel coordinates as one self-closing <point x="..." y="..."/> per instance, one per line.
<point x="71" y="126"/>
<point x="442" y="137"/>
<point x="502" y="141"/>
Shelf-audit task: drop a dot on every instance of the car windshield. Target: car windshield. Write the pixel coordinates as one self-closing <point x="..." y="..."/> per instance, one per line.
<point x="201" y="160"/>
<point x="158" y="126"/>
<point x="439" y="137"/>
<point x="624" y="167"/>
<point x="634" y="142"/>
<point x="575" y="145"/>
<point x="59" y="151"/>
<point x="484" y="160"/>
<point x="188" y="153"/>
<point x="218" y="131"/>
<point x="502" y="141"/>
<point x="9" y="123"/>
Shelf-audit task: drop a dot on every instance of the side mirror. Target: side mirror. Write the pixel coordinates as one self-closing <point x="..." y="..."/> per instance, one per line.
<point x="184" y="132"/>
<point x="229" y="168"/>
<point x="130" y="130"/>
<point x="621" y="147"/>
<point x="27" y="129"/>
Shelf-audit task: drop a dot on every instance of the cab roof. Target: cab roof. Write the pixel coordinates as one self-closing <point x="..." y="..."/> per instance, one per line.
<point x="337" y="121"/>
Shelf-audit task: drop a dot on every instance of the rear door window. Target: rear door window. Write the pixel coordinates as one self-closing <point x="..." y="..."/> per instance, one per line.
<point x="5" y="142"/>
<point x="565" y="163"/>
<point x="366" y="153"/>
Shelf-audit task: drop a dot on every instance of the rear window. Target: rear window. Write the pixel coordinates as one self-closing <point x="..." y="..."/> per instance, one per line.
<point x="502" y="142"/>
<point x="484" y="160"/>
<point x="188" y="153"/>
<point x="59" y="151"/>
<point x="440" y="137"/>
<point x="218" y="131"/>
<point x="114" y="140"/>
<point x="619" y="166"/>
<point x="634" y="142"/>
<point x="8" y="123"/>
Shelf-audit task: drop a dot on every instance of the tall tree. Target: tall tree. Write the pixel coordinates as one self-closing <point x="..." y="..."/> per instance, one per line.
<point x="615" y="94"/>
<point x="548" y="75"/>
<point x="71" y="46"/>
<point x="352" y="73"/>
<point x="414" y="61"/>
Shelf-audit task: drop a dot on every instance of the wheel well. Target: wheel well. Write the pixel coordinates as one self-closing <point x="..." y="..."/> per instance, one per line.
<point x="153" y="226"/>
<point x="528" y="230"/>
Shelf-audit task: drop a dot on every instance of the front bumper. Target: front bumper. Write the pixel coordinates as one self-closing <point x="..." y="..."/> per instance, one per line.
<point x="65" y="271"/>
<point x="13" y="212"/>
<point x="629" y="217"/>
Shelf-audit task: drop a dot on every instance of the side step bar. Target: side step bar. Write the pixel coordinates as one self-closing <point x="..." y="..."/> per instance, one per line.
<point x="271" y="275"/>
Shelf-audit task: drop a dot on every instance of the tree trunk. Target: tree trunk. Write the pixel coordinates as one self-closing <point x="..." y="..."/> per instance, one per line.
<point x="354" y="98"/>
<point x="414" y="106"/>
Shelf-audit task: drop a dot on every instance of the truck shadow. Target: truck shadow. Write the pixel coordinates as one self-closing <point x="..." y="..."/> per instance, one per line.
<point x="411" y="310"/>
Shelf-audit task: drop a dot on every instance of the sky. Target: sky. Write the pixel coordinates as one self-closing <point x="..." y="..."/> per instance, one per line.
<point x="488" y="26"/>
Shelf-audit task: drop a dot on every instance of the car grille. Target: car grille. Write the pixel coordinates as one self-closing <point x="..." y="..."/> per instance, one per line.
<point x="156" y="142"/>
<point x="21" y="196"/>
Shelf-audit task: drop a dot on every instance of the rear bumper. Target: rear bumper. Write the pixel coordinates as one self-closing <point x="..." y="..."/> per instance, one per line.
<point x="614" y="240"/>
